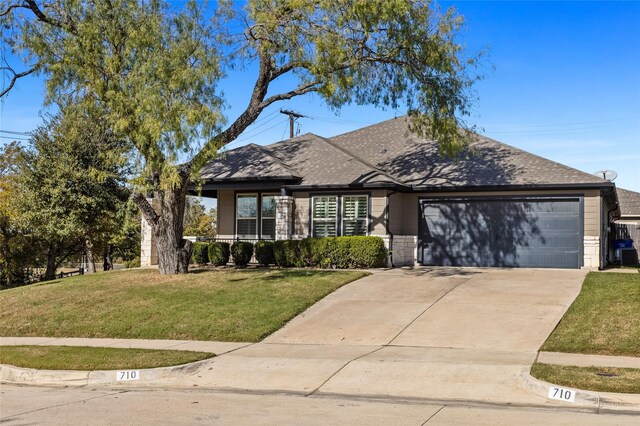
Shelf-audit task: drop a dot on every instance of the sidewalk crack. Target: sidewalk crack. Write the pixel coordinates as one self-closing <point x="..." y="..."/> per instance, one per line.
<point x="342" y="368"/>
<point x="427" y="308"/>
<point x="433" y="415"/>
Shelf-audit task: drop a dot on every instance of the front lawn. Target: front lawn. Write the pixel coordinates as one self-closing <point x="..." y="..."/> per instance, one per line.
<point x="227" y="305"/>
<point x="85" y="358"/>
<point x="623" y="380"/>
<point x="604" y="319"/>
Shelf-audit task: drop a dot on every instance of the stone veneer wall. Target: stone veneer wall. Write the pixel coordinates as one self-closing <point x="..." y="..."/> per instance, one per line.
<point x="591" y="252"/>
<point x="284" y="217"/>
<point x="405" y="250"/>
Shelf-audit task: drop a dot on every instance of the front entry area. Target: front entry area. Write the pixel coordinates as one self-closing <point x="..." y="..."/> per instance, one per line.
<point x="528" y="232"/>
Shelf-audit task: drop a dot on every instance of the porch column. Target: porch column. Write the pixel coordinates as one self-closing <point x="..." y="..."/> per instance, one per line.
<point x="284" y="217"/>
<point x="148" y="246"/>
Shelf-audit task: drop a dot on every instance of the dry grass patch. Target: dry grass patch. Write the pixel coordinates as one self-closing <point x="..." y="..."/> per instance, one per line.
<point x="223" y="305"/>
<point x="88" y="359"/>
<point x="604" y="319"/>
<point x="601" y="379"/>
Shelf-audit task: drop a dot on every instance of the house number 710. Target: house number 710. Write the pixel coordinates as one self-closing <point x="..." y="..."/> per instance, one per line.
<point x="562" y="394"/>
<point x="128" y="375"/>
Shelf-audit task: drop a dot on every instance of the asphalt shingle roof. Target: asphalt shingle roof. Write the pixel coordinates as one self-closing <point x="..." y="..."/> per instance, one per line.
<point x="629" y="202"/>
<point x="387" y="153"/>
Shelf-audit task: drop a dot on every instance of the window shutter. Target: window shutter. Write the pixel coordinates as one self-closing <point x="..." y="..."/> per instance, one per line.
<point x="354" y="215"/>
<point x="325" y="214"/>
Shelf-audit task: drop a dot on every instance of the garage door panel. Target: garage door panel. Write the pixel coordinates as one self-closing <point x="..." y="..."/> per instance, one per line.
<point x="500" y="232"/>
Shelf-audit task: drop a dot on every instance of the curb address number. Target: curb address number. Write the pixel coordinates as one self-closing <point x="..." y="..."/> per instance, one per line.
<point x="128" y="375"/>
<point x="562" y="394"/>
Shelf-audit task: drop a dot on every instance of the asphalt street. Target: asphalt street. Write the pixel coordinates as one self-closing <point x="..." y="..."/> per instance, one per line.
<point x="29" y="405"/>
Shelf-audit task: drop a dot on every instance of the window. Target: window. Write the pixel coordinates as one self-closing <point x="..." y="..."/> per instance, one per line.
<point x="247" y="216"/>
<point x="355" y="214"/>
<point x="268" y="217"/>
<point x="324" y="216"/>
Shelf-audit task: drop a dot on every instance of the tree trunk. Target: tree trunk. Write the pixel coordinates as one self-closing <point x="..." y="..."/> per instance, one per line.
<point x="107" y="263"/>
<point x="91" y="261"/>
<point x="174" y="252"/>
<point x="50" y="272"/>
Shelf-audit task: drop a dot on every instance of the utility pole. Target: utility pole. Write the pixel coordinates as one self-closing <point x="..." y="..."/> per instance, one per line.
<point x="293" y="116"/>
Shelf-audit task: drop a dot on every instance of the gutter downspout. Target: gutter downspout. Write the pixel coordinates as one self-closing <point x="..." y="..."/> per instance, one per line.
<point x="389" y="194"/>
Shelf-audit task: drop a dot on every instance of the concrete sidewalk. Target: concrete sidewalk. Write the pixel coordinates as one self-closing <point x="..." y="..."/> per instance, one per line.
<point x="217" y="348"/>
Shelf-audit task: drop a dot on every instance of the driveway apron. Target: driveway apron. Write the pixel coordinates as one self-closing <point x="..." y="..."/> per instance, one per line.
<point x="438" y="333"/>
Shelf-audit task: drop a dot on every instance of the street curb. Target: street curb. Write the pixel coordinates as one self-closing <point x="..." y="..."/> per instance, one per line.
<point x="18" y="375"/>
<point x="603" y="401"/>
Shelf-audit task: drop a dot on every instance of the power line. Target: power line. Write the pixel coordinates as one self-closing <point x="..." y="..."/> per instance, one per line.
<point x="14" y="138"/>
<point x="259" y="133"/>
<point x="11" y="132"/>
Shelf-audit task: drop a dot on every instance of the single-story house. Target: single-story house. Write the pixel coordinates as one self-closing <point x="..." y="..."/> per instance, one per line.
<point x="495" y="206"/>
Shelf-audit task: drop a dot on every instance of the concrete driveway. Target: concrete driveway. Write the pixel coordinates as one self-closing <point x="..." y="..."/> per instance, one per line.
<point x="489" y="309"/>
<point x="440" y="333"/>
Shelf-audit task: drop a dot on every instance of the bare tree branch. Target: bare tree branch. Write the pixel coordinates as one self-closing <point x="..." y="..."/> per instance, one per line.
<point x="245" y="119"/>
<point x="298" y="91"/>
<point x="14" y="78"/>
<point x="67" y="24"/>
<point x="13" y="6"/>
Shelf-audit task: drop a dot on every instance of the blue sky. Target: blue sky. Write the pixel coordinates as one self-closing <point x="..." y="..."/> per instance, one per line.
<point x="566" y="86"/>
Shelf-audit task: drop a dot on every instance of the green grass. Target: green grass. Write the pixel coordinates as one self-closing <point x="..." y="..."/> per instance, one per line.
<point x="604" y="319"/>
<point x="623" y="380"/>
<point x="225" y="305"/>
<point x="85" y="358"/>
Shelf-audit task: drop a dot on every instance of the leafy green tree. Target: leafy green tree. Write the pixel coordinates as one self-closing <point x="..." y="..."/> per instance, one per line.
<point x="197" y="220"/>
<point x="71" y="186"/>
<point x="158" y="71"/>
<point x="18" y="249"/>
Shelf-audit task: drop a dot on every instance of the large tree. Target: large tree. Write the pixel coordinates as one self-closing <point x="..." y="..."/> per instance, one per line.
<point x="158" y="71"/>
<point x="71" y="186"/>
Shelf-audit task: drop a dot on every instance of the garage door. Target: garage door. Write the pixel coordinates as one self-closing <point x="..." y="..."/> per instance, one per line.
<point x="513" y="232"/>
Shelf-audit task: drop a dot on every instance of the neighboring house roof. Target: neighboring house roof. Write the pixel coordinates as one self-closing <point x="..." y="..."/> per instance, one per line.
<point x="387" y="154"/>
<point x="629" y="203"/>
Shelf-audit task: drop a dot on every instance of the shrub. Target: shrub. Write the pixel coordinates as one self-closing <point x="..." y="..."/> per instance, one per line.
<point x="200" y="254"/>
<point x="241" y="252"/>
<point x="264" y="253"/>
<point x="132" y="263"/>
<point x="367" y="252"/>
<point x="292" y="253"/>
<point x="340" y="255"/>
<point x="279" y="253"/>
<point x="305" y="251"/>
<point x="321" y="251"/>
<point x="219" y="253"/>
